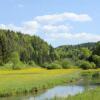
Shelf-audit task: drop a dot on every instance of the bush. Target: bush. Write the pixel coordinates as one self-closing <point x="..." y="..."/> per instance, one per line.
<point x="45" y="65"/>
<point x="32" y="63"/>
<point x="96" y="59"/>
<point x="66" y="64"/>
<point x="93" y="65"/>
<point x="18" y="65"/>
<point x="86" y="65"/>
<point x="53" y="65"/>
<point x="7" y="65"/>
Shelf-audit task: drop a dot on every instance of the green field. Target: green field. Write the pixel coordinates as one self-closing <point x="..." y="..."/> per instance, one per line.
<point x="14" y="82"/>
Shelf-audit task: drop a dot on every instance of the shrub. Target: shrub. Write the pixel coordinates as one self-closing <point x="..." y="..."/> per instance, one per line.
<point x="53" y="65"/>
<point x="66" y="64"/>
<point x="93" y="65"/>
<point x="18" y="65"/>
<point x="45" y="65"/>
<point x="7" y="65"/>
<point x="32" y="63"/>
<point x="96" y="59"/>
<point x="86" y="65"/>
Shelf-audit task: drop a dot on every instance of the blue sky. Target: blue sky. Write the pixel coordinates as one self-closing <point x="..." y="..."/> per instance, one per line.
<point x="59" y="22"/>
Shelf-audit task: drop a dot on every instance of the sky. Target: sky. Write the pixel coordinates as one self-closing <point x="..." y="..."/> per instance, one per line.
<point x="59" y="22"/>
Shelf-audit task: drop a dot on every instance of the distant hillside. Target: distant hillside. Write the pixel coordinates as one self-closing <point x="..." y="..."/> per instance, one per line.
<point x="75" y="51"/>
<point x="89" y="45"/>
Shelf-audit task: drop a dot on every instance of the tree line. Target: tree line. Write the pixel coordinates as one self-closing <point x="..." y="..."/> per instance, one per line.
<point x="17" y="49"/>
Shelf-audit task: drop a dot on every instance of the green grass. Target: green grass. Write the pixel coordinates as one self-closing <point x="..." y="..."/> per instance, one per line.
<point x="14" y="82"/>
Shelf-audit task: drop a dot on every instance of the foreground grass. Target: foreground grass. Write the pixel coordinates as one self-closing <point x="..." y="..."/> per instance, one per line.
<point x="14" y="82"/>
<point x="88" y="95"/>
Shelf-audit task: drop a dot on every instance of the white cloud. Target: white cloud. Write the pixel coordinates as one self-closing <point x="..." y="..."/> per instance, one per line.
<point x="55" y="27"/>
<point x="10" y="26"/>
<point x="63" y="17"/>
<point x="29" y="27"/>
<point x="43" y="23"/>
<point x="76" y="36"/>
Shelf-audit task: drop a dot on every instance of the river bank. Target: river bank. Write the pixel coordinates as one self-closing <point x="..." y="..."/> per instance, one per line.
<point x="93" y="77"/>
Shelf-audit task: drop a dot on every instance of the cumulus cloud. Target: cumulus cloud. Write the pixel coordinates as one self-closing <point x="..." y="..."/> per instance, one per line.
<point x="45" y="23"/>
<point x="29" y="27"/>
<point x="63" y="17"/>
<point x="76" y="36"/>
<point x="55" y="27"/>
<point x="10" y="27"/>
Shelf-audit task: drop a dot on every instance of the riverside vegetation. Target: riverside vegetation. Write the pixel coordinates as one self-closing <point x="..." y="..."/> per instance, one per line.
<point x="91" y="94"/>
<point x="87" y="95"/>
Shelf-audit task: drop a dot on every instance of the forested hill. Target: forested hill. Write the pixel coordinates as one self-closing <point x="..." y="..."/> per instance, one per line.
<point x="17" y="49"/>
<point x="73" y="51"/>
<point x="24" y="48"/>
<point x="89" y="45"/>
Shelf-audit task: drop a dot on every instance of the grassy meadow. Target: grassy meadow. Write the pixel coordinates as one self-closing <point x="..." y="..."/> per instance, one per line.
<point x="32" y="80"/>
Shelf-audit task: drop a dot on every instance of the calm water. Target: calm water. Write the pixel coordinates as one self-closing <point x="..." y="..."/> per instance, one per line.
<point x="59" y="91"/>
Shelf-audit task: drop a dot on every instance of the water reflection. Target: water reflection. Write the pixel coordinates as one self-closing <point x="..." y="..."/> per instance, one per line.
<point x="59" y="91"/>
